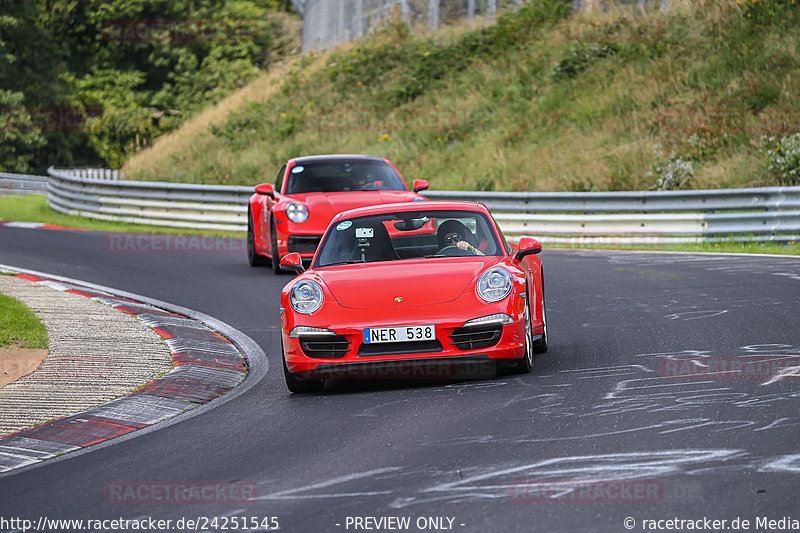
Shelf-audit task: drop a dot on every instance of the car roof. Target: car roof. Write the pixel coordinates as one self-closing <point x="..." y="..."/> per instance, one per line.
<point x="437" y="205"/>
<point x="306" y="159"/>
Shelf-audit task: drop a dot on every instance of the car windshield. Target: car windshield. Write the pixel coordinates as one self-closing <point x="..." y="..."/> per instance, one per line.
<point x="343" y="175"/>
<point x="407" y="235"/>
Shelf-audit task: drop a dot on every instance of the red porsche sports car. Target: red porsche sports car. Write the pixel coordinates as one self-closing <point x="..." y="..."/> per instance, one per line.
<point x="292" y="214"/>
<point x="412" y="290"/>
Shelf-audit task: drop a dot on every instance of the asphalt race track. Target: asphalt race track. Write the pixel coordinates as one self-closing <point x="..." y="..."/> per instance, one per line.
<point x="614" y="423"/>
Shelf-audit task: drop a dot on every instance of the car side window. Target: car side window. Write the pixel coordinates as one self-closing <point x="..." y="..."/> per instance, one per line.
<point x="506" y="245"/>
<point x="279" y="179"/>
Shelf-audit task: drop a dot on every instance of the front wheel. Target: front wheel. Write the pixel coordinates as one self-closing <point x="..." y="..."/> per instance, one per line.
<point x="540" y="346"/>
<point x="273" y="249"/>
<point x="299" y="385"/>
<point x="526" y="363"/>
<point x="253" y="257"/>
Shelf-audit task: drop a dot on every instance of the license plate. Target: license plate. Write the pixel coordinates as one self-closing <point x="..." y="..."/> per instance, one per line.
<point x="399" y="334"/>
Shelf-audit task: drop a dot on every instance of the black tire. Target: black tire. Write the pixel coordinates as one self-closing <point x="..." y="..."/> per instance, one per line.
<point x="253" y="257"/>
<point x="526" y="363"/>
<point x="297" y="384"/>
<point x="540" y="346"/>
<point x="273" y="250"/>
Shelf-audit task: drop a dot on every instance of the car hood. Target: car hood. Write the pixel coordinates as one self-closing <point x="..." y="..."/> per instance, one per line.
<point x="329" y="204"/>
<point x="415" y="282"/>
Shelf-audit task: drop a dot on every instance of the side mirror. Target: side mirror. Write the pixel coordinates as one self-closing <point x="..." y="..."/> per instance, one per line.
<point x="293" y="263"/>
<point x="266" y="189"/>
<point x="527" y="246"/>
<point x="421" y="185"/>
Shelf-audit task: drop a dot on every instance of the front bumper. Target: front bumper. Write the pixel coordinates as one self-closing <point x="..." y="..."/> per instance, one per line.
<point x="456" y="353"/>
<point x="448" y="367"/>
<point x="305" y="245"/>
<point x="303" y="238"/>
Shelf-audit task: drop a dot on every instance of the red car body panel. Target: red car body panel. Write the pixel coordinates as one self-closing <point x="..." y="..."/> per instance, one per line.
<point x="347" y="285"/>
<point x="439" y="291"/>
<point x="322" y="207"/>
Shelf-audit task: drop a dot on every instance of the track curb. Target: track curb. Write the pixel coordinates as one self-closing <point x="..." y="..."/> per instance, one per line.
<point x="213" y="363"/>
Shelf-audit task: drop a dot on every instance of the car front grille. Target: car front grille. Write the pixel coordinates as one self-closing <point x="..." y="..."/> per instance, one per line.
<point x="476" y="337"/>
<point x="304" y="244"/>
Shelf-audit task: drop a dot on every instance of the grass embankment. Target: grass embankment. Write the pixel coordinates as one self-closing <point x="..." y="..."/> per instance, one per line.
<point x="542" y="100"/>
<point x="18" y="325"/>
<point x="34" y="209"/>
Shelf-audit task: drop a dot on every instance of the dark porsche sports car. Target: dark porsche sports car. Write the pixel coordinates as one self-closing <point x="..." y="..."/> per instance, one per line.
<point x="412" y="290"/>
<point x="292" y="214"/>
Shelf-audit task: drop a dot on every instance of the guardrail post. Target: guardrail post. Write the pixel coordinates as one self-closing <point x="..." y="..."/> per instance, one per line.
<point x="359" y="18"/>
<point x="433" y="14"/>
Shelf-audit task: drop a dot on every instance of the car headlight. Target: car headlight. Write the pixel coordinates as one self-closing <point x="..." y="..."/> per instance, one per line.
<point x="297" y="212"/>
<point x="494" y="284"/>
<point x="306" y="297"/>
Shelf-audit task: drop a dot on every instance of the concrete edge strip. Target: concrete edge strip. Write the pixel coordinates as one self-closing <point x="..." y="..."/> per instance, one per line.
<point x="214" y="363"/>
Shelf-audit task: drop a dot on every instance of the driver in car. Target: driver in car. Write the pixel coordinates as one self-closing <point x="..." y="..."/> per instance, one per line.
<point x="454" y="233"/>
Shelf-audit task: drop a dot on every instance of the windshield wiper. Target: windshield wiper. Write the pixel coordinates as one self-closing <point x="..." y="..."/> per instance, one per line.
<point x="352" y="261"/>
<point x="436" y="255"/>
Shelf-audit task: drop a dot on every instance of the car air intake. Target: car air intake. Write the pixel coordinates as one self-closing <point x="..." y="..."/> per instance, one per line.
<point x="328" y="347"/>
<point x="304" y="244"/>
<point x="476" y="337"/>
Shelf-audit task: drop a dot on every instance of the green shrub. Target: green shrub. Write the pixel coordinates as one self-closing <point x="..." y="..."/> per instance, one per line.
<point x="784" y="158"/>
<point x="673" y="173"/>
<point x="582" y="58"/>
<point x="414" y="68"/>
<point x="761" y="12"/>
<point x="19" y="136"/>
